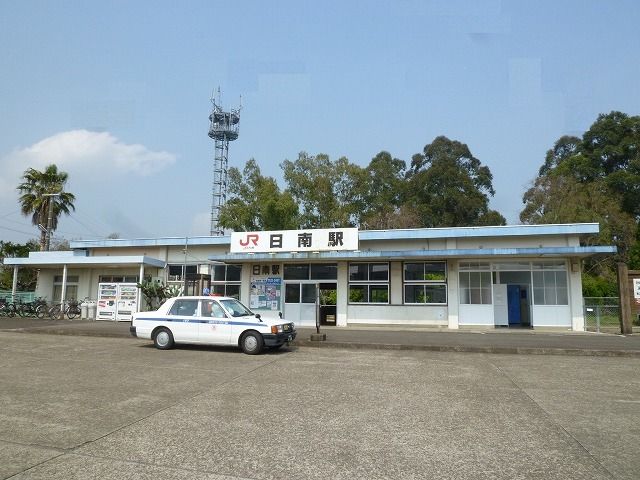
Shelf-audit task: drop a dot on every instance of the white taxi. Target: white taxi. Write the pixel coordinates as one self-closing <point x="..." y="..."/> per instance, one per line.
<point x="210" y="321"/>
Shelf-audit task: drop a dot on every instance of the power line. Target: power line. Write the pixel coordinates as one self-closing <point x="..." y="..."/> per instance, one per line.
<point x="16" y="231"/>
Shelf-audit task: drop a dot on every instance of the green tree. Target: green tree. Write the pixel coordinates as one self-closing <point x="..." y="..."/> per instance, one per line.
<point x="27" y="277"/>
<point x="329" y="193"/>
<point x="595" y="178"/>
<point x="560" y="199"/>
<point x="608" y="151"/>
<point x="256" y="202"/>
<point x="36" y="197"/>
<point x="384" y="191"/>
<point x="449" y="187"/>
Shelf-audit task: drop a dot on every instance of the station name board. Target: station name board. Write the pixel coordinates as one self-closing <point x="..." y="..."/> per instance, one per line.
<point x="295" y="240"/>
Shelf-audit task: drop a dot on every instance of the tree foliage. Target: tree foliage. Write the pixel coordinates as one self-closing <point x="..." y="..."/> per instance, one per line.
<point x="27" y="277"/>
<point x="35" y="197"/>
<point x="256" y="202"/>
<point x="329" y="193"/>
<point x="595" y="178"/>
<point x="449" y="187"/>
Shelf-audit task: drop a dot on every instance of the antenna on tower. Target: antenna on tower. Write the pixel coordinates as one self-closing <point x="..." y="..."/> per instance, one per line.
<point x="223" y="128"/>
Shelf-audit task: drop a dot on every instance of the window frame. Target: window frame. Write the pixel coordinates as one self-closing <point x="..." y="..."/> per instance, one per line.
<point x="368" y="285"/>
<point x="425" y="283"/>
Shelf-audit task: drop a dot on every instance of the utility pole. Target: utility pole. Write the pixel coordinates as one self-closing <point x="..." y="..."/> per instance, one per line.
<point x="49" y="219"/>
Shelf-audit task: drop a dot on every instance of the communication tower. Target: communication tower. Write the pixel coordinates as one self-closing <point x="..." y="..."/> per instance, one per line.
<point x="223" y="128"/>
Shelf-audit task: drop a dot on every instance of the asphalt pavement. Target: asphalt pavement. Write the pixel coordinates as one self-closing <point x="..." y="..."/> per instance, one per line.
<point x="500" y="341"/>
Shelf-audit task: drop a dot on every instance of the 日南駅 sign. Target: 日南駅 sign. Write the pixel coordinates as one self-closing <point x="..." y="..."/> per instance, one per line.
<point x="295" y="240"/>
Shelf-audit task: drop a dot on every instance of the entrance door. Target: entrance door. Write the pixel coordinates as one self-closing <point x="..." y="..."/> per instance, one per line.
<point x="513" y="302"/>
<point x="300" y="303"/>
<point x="328" y="297"/>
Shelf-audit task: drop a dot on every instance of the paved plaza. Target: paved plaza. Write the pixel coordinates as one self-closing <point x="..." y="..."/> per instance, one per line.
<point x="78" y="407"/>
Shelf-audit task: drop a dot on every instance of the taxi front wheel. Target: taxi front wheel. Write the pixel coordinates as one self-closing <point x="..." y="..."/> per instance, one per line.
<point x="251" y="343"/>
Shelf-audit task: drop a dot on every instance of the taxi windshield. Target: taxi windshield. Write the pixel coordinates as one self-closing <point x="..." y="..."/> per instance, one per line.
<point x="235" y="308"/>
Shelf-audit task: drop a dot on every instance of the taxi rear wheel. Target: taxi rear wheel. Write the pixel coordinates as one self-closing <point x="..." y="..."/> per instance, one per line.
<point x="251" y="343"/>
<point x="163" y="339"/>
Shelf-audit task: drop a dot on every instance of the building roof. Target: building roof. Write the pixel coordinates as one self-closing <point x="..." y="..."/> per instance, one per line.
<point x="367" y="235"/>
<point x="79" y="258"/>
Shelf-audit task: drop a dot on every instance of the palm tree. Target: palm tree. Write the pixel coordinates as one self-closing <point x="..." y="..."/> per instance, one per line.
<point x="41" y="190"/>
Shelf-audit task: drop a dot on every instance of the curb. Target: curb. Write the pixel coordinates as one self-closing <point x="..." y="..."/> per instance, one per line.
<point x="471" y="349"/>
<point x="374" y="346"/>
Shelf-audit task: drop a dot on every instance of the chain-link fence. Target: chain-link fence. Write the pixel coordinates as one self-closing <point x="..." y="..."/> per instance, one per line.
<point x="602" y="314"/>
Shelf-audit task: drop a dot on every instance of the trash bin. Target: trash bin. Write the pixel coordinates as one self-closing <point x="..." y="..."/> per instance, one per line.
<point x="84" y="310"/>
<point x="91" y="310"/>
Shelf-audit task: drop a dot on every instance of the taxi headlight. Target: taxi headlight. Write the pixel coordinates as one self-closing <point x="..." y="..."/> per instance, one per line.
<point x="276" y="329"/>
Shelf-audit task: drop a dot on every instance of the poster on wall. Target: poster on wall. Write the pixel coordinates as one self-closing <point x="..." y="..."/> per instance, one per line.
<point x="636" y="289"/>
<point x="266" y="293"/>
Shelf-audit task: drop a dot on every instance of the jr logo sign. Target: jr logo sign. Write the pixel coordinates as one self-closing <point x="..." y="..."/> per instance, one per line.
<point x="251" y="239"/>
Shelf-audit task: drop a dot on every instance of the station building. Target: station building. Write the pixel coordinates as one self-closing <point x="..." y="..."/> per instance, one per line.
<point x="502" y="276"/>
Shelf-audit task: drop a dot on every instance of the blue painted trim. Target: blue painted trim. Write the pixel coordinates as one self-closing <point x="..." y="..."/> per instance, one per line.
<point x="409" y="254"/>
<point x="212" y="322"/>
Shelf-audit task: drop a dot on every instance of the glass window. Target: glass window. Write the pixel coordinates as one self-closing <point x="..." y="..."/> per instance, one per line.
<point x="211" y="308"/>
<point x="232" y="290"/>
<point x="218" y="290"/>
<point x="219" y="273"/>
<point x="175" y="271"/>
<point x="413" y="271"/>
<point x="475" y="288"/>
<point x="235" y="308"/>
<point x="233" y="273"/>
<point x="184" y="308"/>
<point x="377" y="288"/>
<point x="358" y="271"/>
<point x="292" y="293"/>
<point x="308" y="293"/>
<point x="228" y="273"/>
<point x="358" y="294"/>
<point x="379" y="272"/>
<point x="70" y="279"/>
<point x="413" y="293"/>
<point x="420" y="282"/>
<point x="324" y="271"/>
<point x="296" y="272"/>
<point x="378" y="293"/>
<point x="549" y="286"/>
<point x="435" y="293"/>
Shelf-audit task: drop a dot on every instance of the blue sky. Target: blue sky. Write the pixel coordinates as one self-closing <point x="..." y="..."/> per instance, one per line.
<point x="117" y="93"/>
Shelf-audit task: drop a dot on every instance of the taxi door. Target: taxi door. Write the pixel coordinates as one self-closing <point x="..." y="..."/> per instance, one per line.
<point x="214" y="324"/>
<point x="183" y="320"/>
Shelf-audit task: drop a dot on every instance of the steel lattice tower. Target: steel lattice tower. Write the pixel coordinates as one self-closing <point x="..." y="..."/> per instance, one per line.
<point x="223" y="128"/>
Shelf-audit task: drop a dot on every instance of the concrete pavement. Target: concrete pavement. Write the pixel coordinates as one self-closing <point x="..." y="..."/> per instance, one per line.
<point x="79" y="407"/>
<point x="503" y="341"/>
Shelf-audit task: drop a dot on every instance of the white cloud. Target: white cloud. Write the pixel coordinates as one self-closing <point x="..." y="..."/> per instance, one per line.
<point x="81" y="153"/>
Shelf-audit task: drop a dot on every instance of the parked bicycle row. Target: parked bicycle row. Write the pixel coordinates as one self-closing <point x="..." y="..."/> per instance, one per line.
<point x="39" y="308"/>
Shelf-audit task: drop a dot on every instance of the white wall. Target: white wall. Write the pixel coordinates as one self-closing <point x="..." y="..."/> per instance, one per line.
<point x="398" y="314"/>
<point x="551" y="316"/>
<point x="476" y="315"/>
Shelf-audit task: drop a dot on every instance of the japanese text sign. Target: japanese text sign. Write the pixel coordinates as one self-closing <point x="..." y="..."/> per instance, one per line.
<point x="295" y="240"/>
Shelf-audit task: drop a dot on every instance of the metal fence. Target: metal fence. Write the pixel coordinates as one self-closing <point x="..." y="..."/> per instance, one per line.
<point x="24" y="297"/>
<point x="602" y="314"/>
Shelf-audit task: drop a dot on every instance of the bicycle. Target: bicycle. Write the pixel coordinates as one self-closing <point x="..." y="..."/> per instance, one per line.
<point x="7" y="309"/>
<point x="71" y="309"/>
